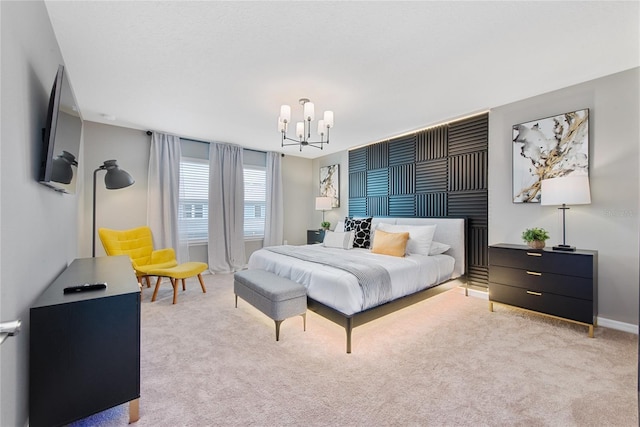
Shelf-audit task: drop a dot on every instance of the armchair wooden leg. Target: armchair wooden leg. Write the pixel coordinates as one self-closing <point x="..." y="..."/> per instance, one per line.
<point x="184" y="287"/>
<point x="148" y="281"/>
<point x="155" y="291"/>
<point x="204" y="290"/>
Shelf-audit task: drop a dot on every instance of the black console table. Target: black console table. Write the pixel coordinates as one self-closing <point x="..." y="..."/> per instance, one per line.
<point x="555" y="283"/>
<point x="85" y="346"/>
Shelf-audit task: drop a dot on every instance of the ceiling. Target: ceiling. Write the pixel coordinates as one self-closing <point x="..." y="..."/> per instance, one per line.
<point x="219" y="71"/>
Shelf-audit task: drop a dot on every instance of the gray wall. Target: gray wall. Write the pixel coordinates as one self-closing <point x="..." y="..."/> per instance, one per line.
<point x="38" y="227"/>
<point x="610" y="223"/>
<point x="336" y="214"/>
<point x="127" y="208"/>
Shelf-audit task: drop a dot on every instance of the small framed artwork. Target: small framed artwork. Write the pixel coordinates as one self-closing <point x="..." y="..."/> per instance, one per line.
<point x="548" y="148"/>
<point x="330" y="183"/>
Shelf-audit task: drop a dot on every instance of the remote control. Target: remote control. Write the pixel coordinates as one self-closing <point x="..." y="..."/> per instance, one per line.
<point x="84" y="287"/>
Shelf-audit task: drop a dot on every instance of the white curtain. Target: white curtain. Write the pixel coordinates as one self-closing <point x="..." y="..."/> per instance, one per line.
<point x="274" y="222"/>
<point x="226" y="208"/>
<point x="163" y="195"/>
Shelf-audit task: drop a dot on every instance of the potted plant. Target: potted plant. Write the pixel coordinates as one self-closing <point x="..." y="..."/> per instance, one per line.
<point x="535" y="237"/>
<point x="325" y="225"/>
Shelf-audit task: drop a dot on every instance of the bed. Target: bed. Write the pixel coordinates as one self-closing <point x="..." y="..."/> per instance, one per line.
<point x="338" y="291"/>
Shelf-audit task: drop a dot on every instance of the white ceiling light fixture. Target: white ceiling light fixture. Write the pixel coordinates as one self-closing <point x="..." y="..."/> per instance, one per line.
<point x="303" y="128"/>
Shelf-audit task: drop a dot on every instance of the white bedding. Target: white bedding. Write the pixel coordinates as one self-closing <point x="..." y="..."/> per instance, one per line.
<point x="340" y="290"/>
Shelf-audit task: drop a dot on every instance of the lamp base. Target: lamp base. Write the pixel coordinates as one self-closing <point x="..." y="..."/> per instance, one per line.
<point x="565" y="248"/>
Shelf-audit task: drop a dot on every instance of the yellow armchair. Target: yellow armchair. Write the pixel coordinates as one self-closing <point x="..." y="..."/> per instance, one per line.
<point x="138" y="244"/>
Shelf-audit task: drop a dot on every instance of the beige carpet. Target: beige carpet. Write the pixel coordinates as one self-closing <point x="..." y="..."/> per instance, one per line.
<point x="446" y="361"/>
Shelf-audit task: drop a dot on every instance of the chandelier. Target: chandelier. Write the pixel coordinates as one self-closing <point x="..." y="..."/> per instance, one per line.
<point x="303" y="128"/>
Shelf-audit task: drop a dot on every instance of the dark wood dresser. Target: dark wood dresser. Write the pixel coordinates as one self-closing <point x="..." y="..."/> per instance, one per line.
<point x="558" y="284"/>
<point x="84" y="354"/>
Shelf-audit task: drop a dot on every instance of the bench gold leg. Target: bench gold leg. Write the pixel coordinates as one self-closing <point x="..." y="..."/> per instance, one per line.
<point x="304" y="321"/>
<point x="134" y="410"/>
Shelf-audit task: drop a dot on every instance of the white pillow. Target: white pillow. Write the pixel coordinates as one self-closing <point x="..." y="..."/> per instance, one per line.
<point x="438" y="248"/>
<point x="339" y="226"/>
<point x="420" y="236"/>
<point x="342" y="240"/>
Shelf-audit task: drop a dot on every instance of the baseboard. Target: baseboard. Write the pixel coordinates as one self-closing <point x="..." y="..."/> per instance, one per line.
<point x="620" y="326"/>
<point x="602" y="321"/>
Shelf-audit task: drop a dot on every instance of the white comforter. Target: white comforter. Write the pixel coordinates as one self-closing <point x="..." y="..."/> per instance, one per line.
<point x="340" y="290"/>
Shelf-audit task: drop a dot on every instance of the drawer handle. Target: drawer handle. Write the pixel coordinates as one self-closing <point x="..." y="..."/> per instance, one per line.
<point x="534" y="273"/>
<point x="533" y="254"/>
<point x="538" y="294"/>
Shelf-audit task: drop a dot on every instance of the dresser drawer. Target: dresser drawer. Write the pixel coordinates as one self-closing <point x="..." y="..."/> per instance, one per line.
<point x="555" y="305"/>
<point x="570" y="286"/>
<point x="572" y="264"/>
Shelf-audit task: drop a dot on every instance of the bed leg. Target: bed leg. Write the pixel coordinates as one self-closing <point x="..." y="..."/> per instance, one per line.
<point x="348" y="328"/>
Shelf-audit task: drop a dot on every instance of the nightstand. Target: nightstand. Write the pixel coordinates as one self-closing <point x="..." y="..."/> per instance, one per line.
<point x="562" y="285"/>
<point x="315" y="236"/>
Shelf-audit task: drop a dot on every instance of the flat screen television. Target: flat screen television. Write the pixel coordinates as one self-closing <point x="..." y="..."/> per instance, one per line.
<point x="61" y="138"/>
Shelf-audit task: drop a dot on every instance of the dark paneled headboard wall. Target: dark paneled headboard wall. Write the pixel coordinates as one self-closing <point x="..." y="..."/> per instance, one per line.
<point x="441" y="171"/>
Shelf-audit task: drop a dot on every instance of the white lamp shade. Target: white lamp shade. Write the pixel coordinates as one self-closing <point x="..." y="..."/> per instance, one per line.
<point x="323" y="203"/>
<point x="282" y="126"/>
<point x="328" y="119"/>
<point x="320" y="127"/>
<point x="308" y="111"/>
<point x="569" y="190"/>
<point x="300" y="130"/>
<point x="285" y="113"/>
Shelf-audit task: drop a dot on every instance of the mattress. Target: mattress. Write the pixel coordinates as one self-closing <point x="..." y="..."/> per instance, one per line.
<point x="340" y="290"/>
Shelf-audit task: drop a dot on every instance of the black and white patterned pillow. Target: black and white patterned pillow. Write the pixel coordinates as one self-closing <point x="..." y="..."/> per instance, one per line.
<point x="362" y="229"/>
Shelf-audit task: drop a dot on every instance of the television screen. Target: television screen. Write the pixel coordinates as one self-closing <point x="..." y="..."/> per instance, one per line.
<point x="61" y="138"/>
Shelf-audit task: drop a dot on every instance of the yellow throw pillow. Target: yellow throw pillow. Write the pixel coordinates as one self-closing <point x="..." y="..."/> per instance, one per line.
<point x="393" y="244"/>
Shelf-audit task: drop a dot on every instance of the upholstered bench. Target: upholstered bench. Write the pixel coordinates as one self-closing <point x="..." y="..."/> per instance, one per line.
<point x="179" y="272"/>
<point x="277" y="297"/>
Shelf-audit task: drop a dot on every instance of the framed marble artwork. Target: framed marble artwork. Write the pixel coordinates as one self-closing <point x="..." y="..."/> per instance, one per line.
<point x="548" y="148"/>
<point x="330" y="183"/>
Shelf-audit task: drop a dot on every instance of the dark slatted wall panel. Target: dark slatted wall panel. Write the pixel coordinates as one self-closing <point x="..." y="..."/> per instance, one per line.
<point x="358" y="207"/>
<point x="402" y="179"/>
<point x="378" y="206"/>
<point x="432" y="143"/>
<point x="431" y="176"/>
<point x="358" y="160"/>
<point x="357" y="184"/>
<point x="431" y="204"/>
<point x="378" y="155"/>
<point x="402" y="205"/>
<point x="441" y="171"/>
<point x="468" y="143"/>
<point x="403" y="151"/>
<point x="378" y="182"/>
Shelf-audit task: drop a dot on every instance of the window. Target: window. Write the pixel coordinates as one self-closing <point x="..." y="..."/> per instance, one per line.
<point x="193" y="208"/>
<point x="255" y="201"/>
